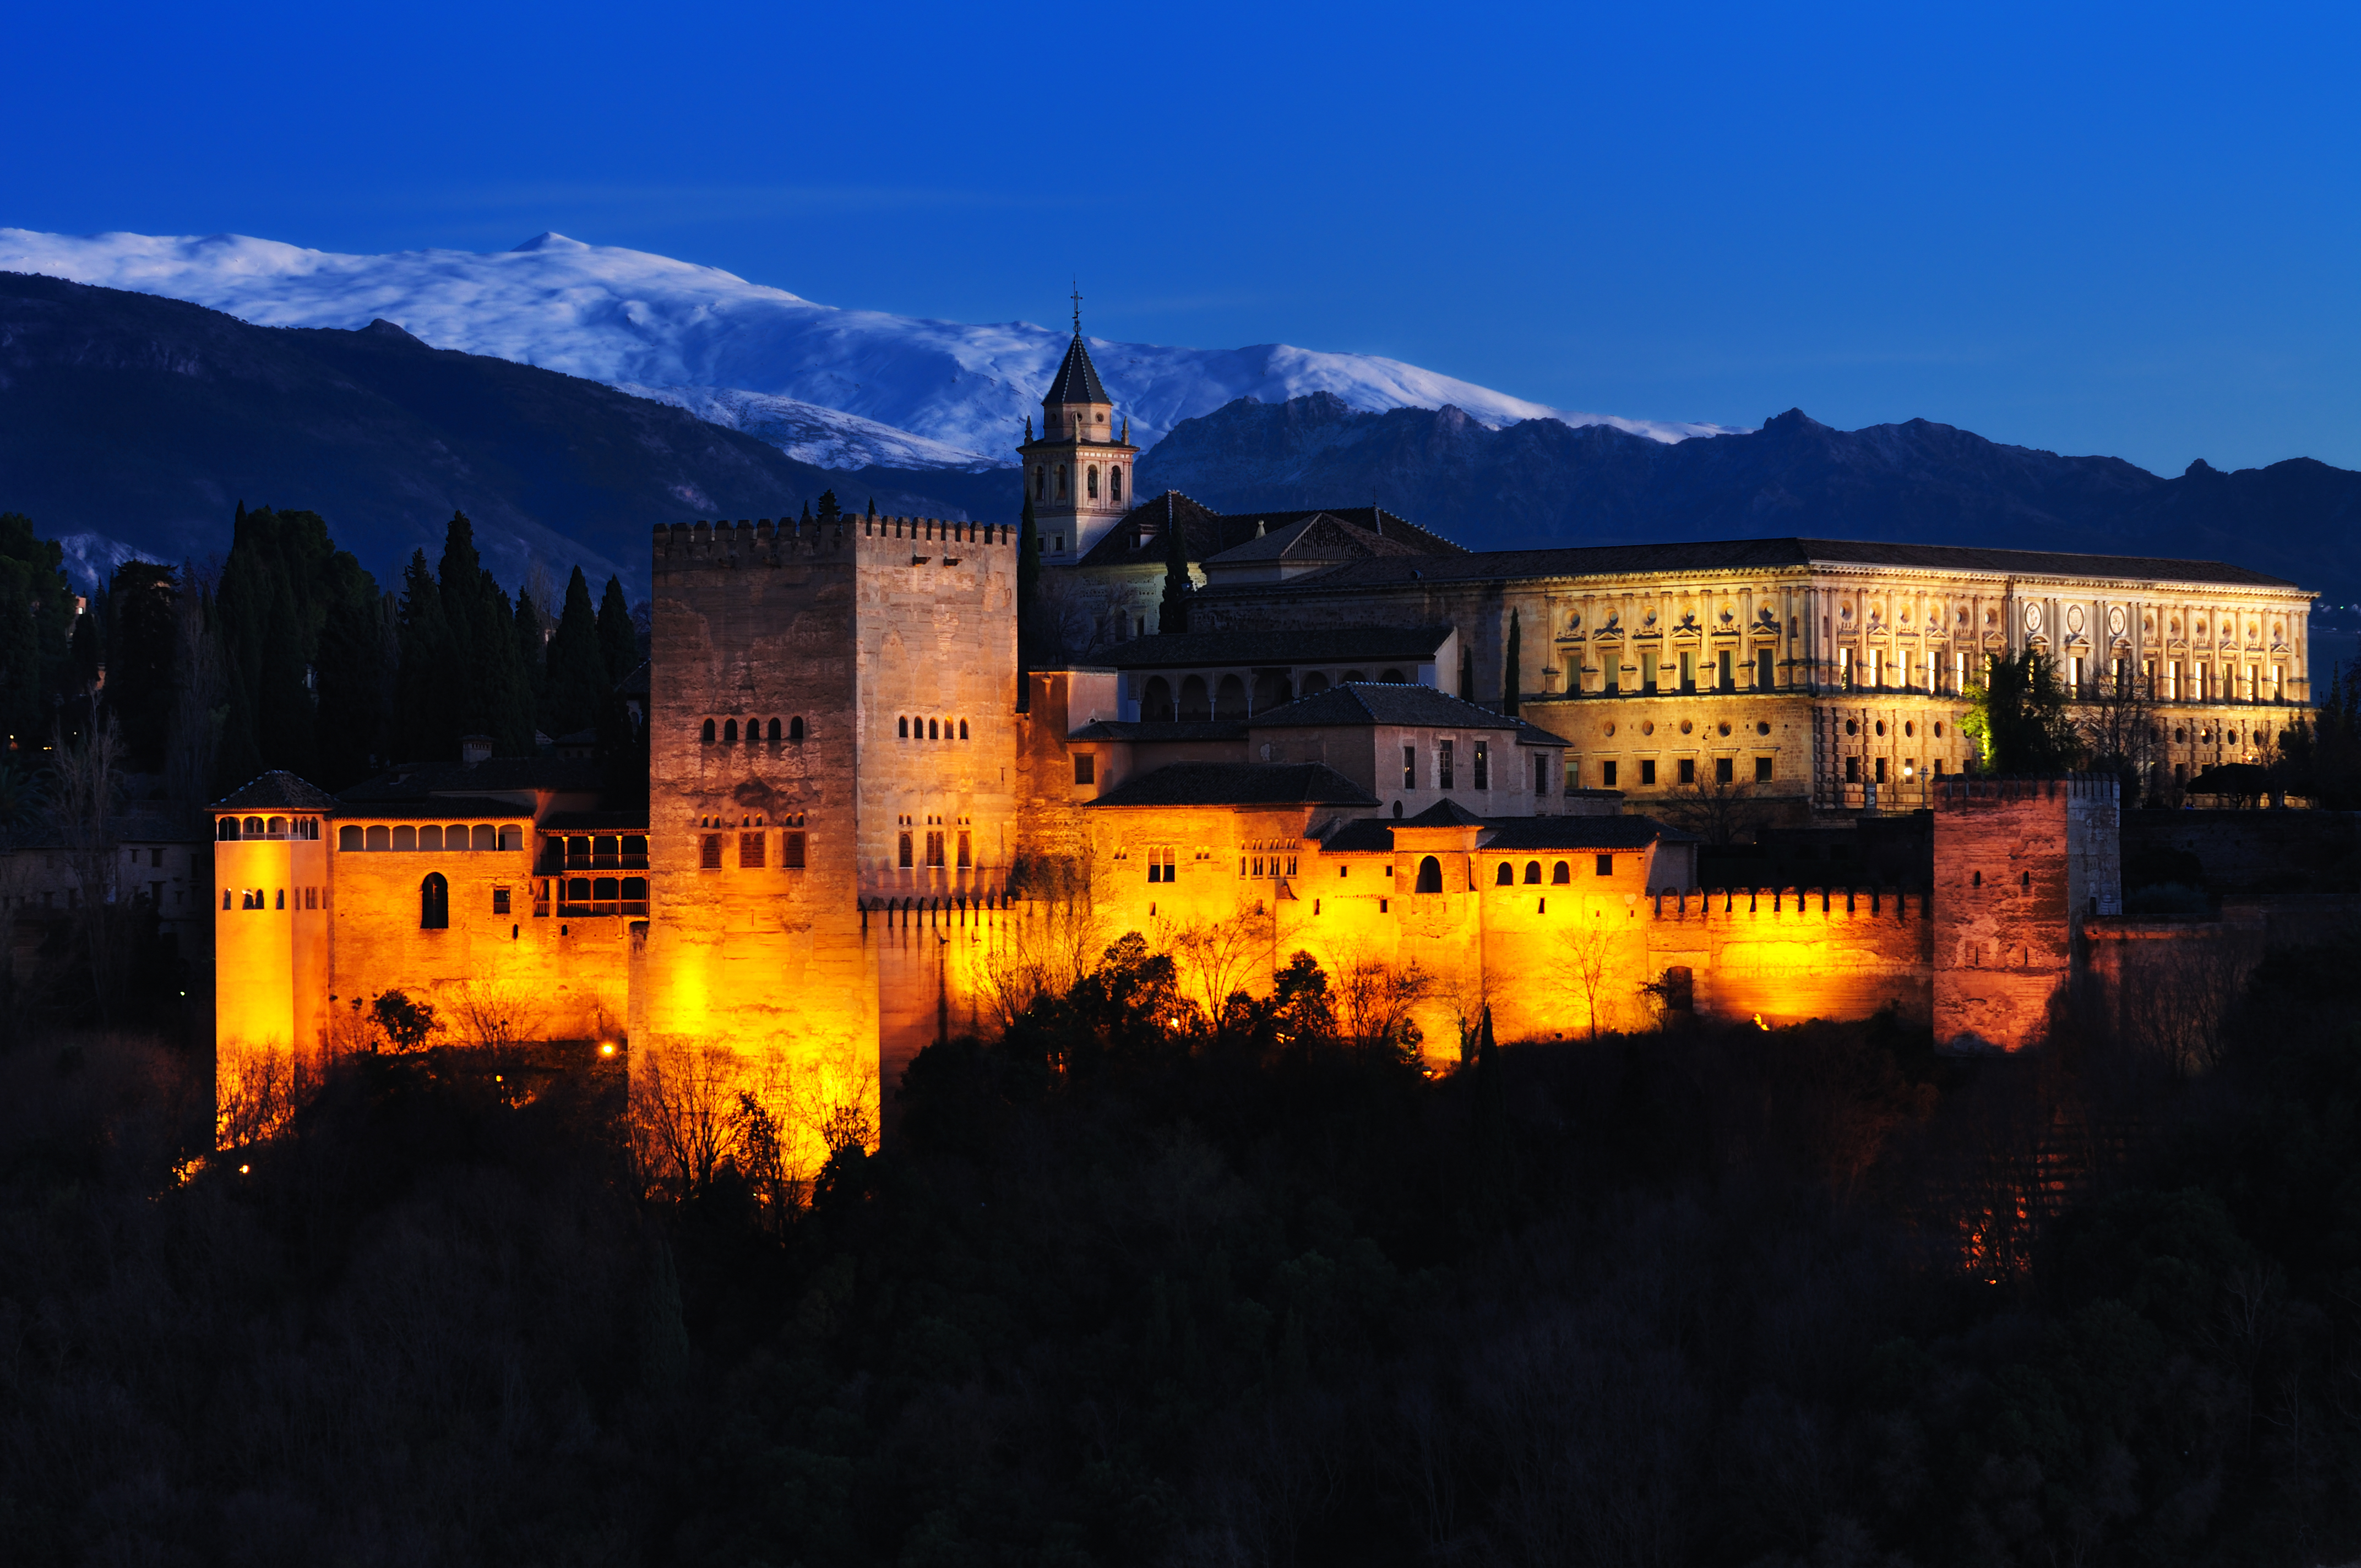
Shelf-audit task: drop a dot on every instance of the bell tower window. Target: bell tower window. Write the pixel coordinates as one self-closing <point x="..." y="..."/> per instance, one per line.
<point x="1091" y="479"/>
<point x="1040" y="483"/>
<point x="1114" y="484"/>
<point x="1062" y="481"/>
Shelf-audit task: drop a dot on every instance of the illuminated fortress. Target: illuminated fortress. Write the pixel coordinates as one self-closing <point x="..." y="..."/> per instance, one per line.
<point x="868" y="831"/>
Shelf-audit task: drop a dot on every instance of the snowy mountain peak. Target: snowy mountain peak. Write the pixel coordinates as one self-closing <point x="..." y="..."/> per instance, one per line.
<point x="939" y="393"/>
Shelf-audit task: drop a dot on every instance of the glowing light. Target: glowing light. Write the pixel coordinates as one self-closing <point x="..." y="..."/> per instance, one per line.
<point x="605" y="1047"/>
<point x="245" y="1170"/>
<point x="1761" y="1024"/>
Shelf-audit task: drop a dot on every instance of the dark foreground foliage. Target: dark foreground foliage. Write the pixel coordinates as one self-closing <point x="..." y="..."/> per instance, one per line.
<point x="1701" y="1297"/>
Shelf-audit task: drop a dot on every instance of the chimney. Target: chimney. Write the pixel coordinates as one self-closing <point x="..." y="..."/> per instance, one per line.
<point x="474" y="749"/>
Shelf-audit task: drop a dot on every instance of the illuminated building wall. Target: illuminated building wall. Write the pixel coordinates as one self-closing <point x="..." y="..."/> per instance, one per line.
<point x="2019" y="865"/>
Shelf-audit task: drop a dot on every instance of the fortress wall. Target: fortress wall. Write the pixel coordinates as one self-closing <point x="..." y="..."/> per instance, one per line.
<point x="1787" y="955"/>
<point x="557" y="978"/>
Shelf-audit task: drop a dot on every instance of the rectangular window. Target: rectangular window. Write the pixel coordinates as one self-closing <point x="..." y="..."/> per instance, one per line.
<point x="1876" y="669"/>
<point x="1688" y="770"/>
<point x="1483" y="766"/>
<point x="708" y="853"/>
<point x="935" y="847"/>
<point x="499" y="901"/>
<point x="1086" y="768"/>
<point x="1688" y="672"/>
<point x="1606" y="865"/>
<point x="1409" y="767"/>
<point x="751" y="847"/>
<point x="1762" y="669"/>
<point x="1762" y="770"/>
<point x="1853" y="770"/>
<point x="1648" y="771"/>
<point x="966" y="851"/>
<point x="1606" y="776"/>
<point x="1728" y="675"/>
<point x="2278" y="683"/>
<point x="1939" y="767"/>
<point x="1610" y="679"/>
<point x="1647" y="672"/>
<point x="1443" y="764"/>
<point x="1880" y="770"/>
<point x="1844" y="668"/>
<point x="1540" y="773"/>
<point x="908" y="857"/>
<point x="791" y="852"/>
<point x="1725" y="769"/>
<point x="2074" y="675"/>
<point x="2172" y="681"/>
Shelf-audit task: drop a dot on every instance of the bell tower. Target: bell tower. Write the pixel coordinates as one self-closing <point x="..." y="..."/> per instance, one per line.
<point x="1078" y="470"/>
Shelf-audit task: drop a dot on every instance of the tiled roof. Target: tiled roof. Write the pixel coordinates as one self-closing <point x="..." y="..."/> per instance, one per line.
<point x="277" y="790"/>
<point x="1580" y="833"/>
<point x="1238" y="783"/>
<point x="1077" y="380"/>
<point x="1322" y="536"/>
<point x="1139" y="534"/>
<point x="1735" y="554"/>
<point x="1361" y="835"/>
<point x="1444" y="813"/>
<point x="1377" y="702"/>
<point x="1530" y="734"/>
<point x="1190" y="730"/>
<point x="1281" y="649"/>
<point x="570" y="774"/>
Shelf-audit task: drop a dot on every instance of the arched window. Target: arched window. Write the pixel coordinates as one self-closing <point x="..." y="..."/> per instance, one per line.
<point x="1062" y="481"/>
<point x="1429" y="875"/>
<point x="1090" y="480"/>
<point x="512" y="838"/>
<point x="1194" y="704"/>
<point x="275" y="828"/>
<point x="228" y="829"/>
<point x="1353" y="677"/>
<point x="1508" y="877"/>
<point x="224" y="898"/>
<point x="405" y="838"/>
<point x="730" y="732"/>
<point x="1532" y="871"/>
<point x="775" y="732"/>
<point x="1560" y="875"/>
<point x="484" y="836"/>
<point x="904" y="730"/>
<point x="708" y="736"/>
<point x="1040" y="482"/>
<point x="430" y="836"/>
<point x="931" y="733"/>
<point x="1156" y="701"/>
<point x="1272" y="689"/>
<point x="1115" y="483"/>
<point x="348" y="838"/>
<point x="795" y="728"/>
<point x="1391" y="678"/>
<point x="1314" y="684"/>
<point x="381" y="837"/>
<point x="254" y="826"/>
<point x="1230" y="699"/>
<point x="433" y="903"/>
<point x="962" y="729"/>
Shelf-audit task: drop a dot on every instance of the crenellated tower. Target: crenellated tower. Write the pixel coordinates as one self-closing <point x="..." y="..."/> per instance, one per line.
<point x="1078" y="470"/>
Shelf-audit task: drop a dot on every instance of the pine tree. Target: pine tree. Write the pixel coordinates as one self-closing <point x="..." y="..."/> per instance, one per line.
<point x="578" y="671"/>
<point x="1173" y="610"/>
<point x="1512" y="670"/>
<point x="619" y="640"/>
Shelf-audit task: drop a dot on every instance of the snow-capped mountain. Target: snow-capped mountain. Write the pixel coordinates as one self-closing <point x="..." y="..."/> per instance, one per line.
<point x="921" y="393"/>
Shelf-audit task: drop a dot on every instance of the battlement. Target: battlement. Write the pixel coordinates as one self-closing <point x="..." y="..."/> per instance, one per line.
<point x="1887" y="904"/>
<point x="762" y="541"/>
<point x="1967" y="792"/>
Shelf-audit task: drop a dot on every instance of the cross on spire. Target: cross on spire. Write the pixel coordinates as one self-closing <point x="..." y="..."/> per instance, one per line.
<point x="1077" y="308"/>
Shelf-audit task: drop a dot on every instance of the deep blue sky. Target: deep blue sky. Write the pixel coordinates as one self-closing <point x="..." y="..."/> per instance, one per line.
<point x="2129" y="231"/>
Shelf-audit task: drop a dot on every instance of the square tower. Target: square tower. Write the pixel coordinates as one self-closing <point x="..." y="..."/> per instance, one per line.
<point x="830" y="728"/>
<point x="1079" y="472"/>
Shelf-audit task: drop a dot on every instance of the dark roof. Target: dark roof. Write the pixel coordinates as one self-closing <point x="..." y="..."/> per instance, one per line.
<point x="1377" y="702"/>
<point x="1322" y="536"/>
<point x="1238" y="783"/>
<point x="434" y="807"/>
<point x="1594" y="833"/>
<point x="1190" y="730"/>
<point x="1139" y="534"/>
<point x="277" y="790"/>
<point x="1279" y="649"/>
<point x="1361" y="835"/>
<point x="596" y="822"/>
<point x="1444" y="813"/>
<point x="1735" y="554"/>
<point x="412" y="780"/>
<point x="1077" y="380"/>
<point x="1534" y="735"/>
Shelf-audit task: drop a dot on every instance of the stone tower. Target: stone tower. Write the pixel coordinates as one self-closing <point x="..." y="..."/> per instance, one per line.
<point x="1079" y="468"/>
<point x="830" y="738"/>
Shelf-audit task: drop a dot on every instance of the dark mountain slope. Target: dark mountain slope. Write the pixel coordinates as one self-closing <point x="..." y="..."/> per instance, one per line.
<point x="1540" y="483"/>
<point x="147" y="420"/>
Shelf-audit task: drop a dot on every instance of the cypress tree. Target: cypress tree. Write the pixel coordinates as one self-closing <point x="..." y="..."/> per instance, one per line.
<point x="351" y="676"/>
<point x="425" y="726"/>
<point x="1173" y="610"/>
<point x="578" y="671"/>
<point x="532" y="651"/>
<point x="283" y="714"/>
<point x="1511" y="670"/>
<point x="619" y="640"/>
<point x="141" y="655"/>
<point x="831" y="514"/>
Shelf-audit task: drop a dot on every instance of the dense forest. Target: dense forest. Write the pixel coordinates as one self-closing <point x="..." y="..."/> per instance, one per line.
<point x="1119" y="1293"/>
